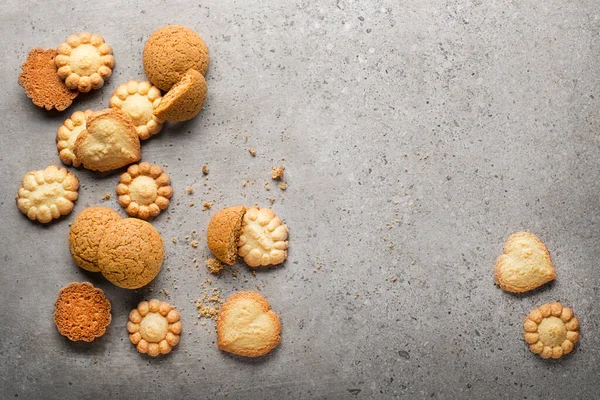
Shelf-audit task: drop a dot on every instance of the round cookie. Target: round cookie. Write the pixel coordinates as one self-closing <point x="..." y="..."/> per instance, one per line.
<point x="144" y="190"/>
<point x="551" y="330"/>
<point x="131" y="253"/>
<point x="42" y="83"/>
<point x="185" y="99"/>
<point x="154" y="327"/>
<point x="223" y="232"/>
<point x="170" y="52"/>
<point x="86" y="231"/>
<point x="67" y="135"/>
<point x="137" y="100"/>
<point x="81" y="312"/>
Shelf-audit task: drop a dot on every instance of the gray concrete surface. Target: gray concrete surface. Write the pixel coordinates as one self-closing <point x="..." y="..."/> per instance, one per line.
<point x="417" y="135"/>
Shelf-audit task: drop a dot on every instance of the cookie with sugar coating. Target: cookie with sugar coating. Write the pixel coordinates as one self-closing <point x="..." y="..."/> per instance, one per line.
<point x="185" y="99"/>
<point x="247" y="326"/>
<point x="525" y="264"/>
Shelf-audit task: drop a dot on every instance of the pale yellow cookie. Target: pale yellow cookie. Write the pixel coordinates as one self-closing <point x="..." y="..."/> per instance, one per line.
<point x="47" y="194"/>
<point x="154" y="327"/>
<point x="247" y="326"/>
<point x="551" y="330"/>
<point x="84" y="61"/>
<point x="138" y="100"/>
<point x="144" y="190"/>
<point x="108" y="142"/>
<point x="525" y="264"/>
<point x="67" y="135"/>
<point x="263" y="240"/>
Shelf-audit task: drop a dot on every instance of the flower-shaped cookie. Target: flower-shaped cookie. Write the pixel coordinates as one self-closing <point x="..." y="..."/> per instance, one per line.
<point x="551" y="330"/>
<point x="67" y="135"/>
<point x="47" y="194"/>
<point x="84" y="61"/>
<point x="144" y="190"/>
<point x="138" y="100"/>
<point x="154" y="327"/>
<point x="263" y="240"/>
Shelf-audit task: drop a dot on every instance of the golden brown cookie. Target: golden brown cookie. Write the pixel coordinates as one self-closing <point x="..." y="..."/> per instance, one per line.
<point x="108" y="142"/>
<point x="185" y="99"/>
<point x="144" y="190"/>
<point x="154" y="327"/>
<point x="131" y="253"/>
<point x="223" y="232"/>
<point x="247" y="326"/>
<point x="67" y="135"/>
<point x="86" y="231"/>
<point x="81" y="312"/>
<point x="137" y="100"/>
<point x="170" y="52"/>
<point x="47" y="194"/>
<point x="525" y="264"/>
<point x="551" y="330"/>
<point x="42" y="83"/>
<point x="263" y="241"/>
<point x="84" y="61"/>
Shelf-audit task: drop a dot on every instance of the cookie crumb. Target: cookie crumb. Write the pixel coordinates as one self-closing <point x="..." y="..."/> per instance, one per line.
<point x="194" y="243"/>
<point x="267" y="187"/>
<point x="174" y="239"/>
<point x="245" y="138"/>
<point x="252" y="151"/>
<point x="165" y="291"/>
<point x="282" y="186"/>
<point x="209" y="305"/>
<point x="205" y="169"/>
<point x="107" y="196"/>
<point x="277" y="172"/>
<point x="207" y="205"/>
<point x="394" y="278"/>
<point x="271" y="199"/>
<point x="190" y="190"/>
<point x="214" y="266"/>
<point x="192" y="204"/>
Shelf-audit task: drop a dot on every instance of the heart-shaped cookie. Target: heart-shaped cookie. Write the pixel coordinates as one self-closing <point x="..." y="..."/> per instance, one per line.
<point x="247" y="326"/>
<point x="525" y="264"/>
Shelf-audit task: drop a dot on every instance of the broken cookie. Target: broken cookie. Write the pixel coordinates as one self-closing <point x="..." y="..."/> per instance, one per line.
<point x="263" y="240"/>
<point x="185" y="99"/>
<point x="67" y="135"/>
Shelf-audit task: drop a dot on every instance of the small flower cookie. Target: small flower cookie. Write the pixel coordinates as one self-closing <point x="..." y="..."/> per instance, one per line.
<point x="263" y="240"/>
<point x="47" y="194"/>
<point x="551" y="330"/>
<point x="144" y="190"/>
<point x="84" y="61"/>
<point x="138" y="100"/>
<point x="154" y="327"/>
<point x="67" y="135"/>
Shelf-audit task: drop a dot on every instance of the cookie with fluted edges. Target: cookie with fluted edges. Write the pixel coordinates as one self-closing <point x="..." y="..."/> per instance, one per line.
<point x="223" y="233"/>
<point x="109" y="141"/>
<point x="247" y="326"/>
<point x="525" y="264"/>
<point x="86" y="231"/>
<point x="154" y="327"/>
<point x="263" y="241"/>
<point x="137" y="100"/>
<point x="41" y="81"/>
<point x="185" y="99"/>
<point x="67" y="135"/>
<point x="144" y="190"/>
<point x="170" y="52"/>
<point x="551" y="330"/>
<point x="81" y="312"/>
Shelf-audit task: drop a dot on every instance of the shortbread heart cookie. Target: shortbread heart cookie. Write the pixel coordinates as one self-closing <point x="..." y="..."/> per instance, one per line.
<point x="551" y="330"/>
<point x="108" y="142"/>
<point x="525" y="264"/>
<point x="247" y="326"/>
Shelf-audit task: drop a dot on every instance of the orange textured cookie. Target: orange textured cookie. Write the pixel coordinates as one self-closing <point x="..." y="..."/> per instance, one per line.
<point x="551" y="330"/>
<point x="81" y="312"/>
<point x="108" y="142"/>
<point x="247" y="326"/>
<point x="223" y="232"/>
<point x="42" y="83"/>
<point x="131" y="253"/>
<point x="86" y="231"/>
<point x="170" y="52"/>
<point x="144" y="190"/>
<point x="185" y="99"/>
<point x="154" y="327"/>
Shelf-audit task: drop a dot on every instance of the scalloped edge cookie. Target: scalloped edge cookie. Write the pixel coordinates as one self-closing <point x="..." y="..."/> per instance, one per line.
<point x="551" y="330"/>
<point x="154" y="327"/>
<point x="67" y="134"/>
<point x="138" y="100"/>
<point x="144" y="190"/>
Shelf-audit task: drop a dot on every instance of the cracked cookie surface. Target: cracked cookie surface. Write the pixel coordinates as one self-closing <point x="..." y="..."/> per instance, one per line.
<point x="144" y="190"/>
<point x="154" y="327"/>
<point x="263" y="240"/>
<point x="138" y="100"/>
<point x="551" y="330"/>
<point x="223" y="233"/>
<point x="185" y="99"/>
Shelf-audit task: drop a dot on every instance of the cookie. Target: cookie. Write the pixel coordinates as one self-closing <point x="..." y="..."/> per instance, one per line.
<point x="130" y="253"/>
<point x="247" y="326"/>
<point x="84" y="61"/>
<point x="67" y="135"/>
<point x="551" y="330"/>
<point x="86" y="231"/>
<point x="41" y="82"/>
<point x="223" y="233"/>
<point x="137" y="100"/>
<point x="525" y="264"/>
<point x="47" y="194"/>
<point x="170" y="52"/>
<point x="263" y="240"/>
<point x="81" y="312"/>
<point x="108" y="142"/>
<point x="144" y="190"/>
<point x="154" y="327"/>
<point x="185" y="99"/>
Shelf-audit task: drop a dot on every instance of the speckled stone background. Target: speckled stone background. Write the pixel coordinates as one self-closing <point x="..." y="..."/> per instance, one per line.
<point x="416" y="136"/>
